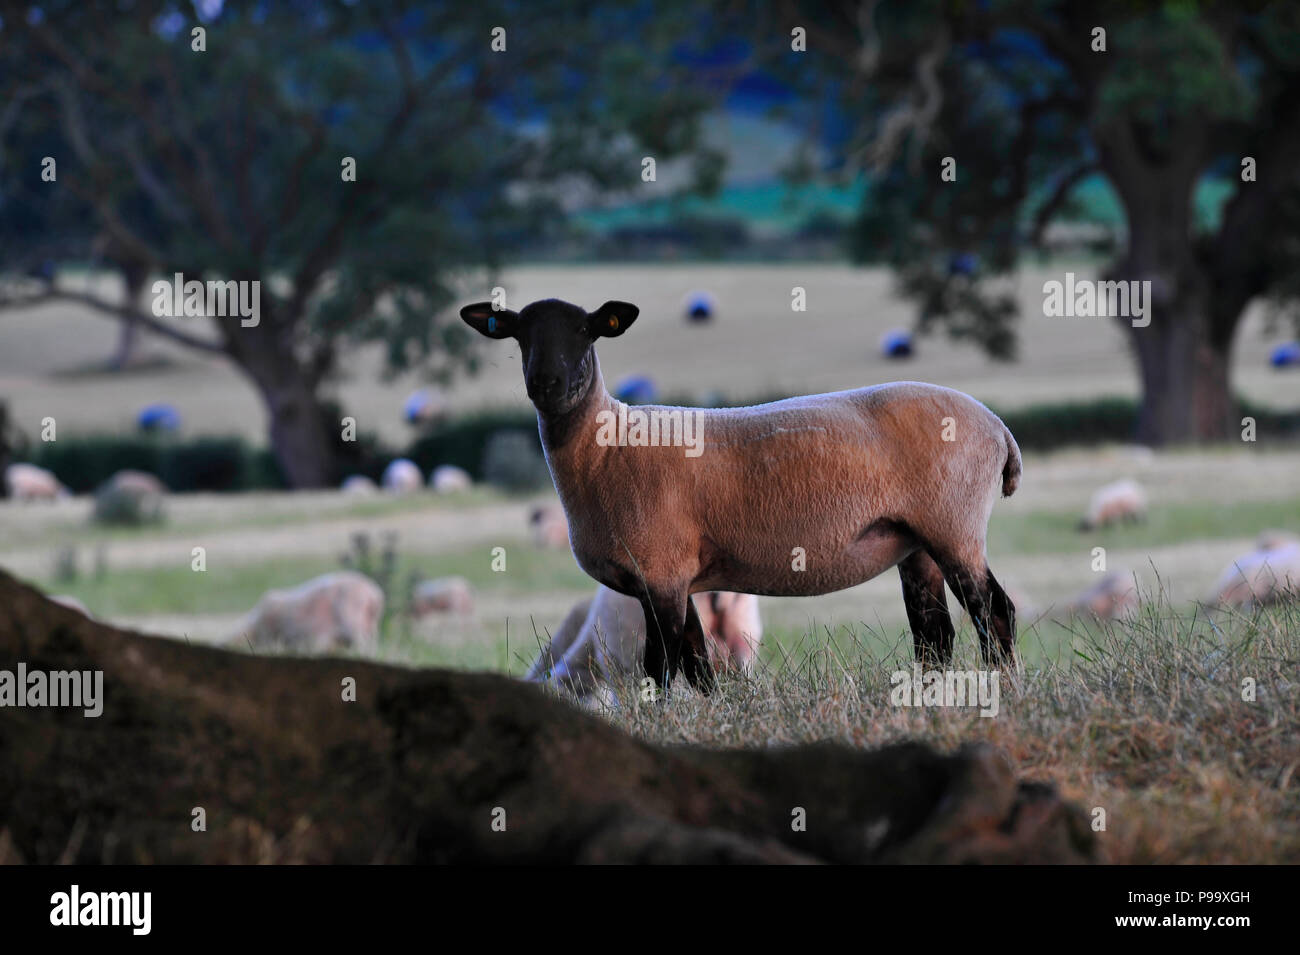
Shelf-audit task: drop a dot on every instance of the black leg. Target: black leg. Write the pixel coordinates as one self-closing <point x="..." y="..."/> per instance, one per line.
<point x="927" y="609"/>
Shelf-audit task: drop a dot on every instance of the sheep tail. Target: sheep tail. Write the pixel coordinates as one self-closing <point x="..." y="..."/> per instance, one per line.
<point x="1011" y="469"/>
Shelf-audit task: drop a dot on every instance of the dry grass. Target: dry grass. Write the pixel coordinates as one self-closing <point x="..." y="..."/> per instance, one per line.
<point x="1147" y="722"/>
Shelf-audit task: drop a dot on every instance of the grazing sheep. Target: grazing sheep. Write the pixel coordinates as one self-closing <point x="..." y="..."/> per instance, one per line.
<point x="339" y="610"/>
<point x="1124" y="501"/>
<point x="1260" y="578"/>
<point x="359" y="485"/>
<point x="130" y="497"/>
<point x="1114" y="597"/>
<point x="603" y="637"/>
<point x="27" y="482"/>
<point x="443" y="595"/>
<point x="402" y="477"/>
<point x="794" y="498"/>
<point x="550" y="528"/>
<point x="447" y="479"/>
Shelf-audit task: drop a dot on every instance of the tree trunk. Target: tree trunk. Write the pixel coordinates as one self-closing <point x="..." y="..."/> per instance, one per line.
<point x="1186" y="396"/>
<point x="304" y="436"/>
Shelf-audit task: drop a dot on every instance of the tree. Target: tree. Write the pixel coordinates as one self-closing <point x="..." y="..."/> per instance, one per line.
<point x="1031" y="101"/>
<point x="228" y="156"/>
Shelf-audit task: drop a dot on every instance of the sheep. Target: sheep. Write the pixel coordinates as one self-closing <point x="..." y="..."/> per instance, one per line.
<point x="27" y="482"/>
<point x="1260" y="578"/>
<point x="1124" y="501"/>
<point x="794" y="498"/>
<point x="339" y="610"/>
<point x="447" y="479"/>
<point x="603" y="637"/>
<point x="1114" y="597"/>
<point x="359" y="485"/>
<point x="402" y="477"/>
<point x="443" y="595"/>
<point x="1275" y="540"/>
<point x="550" y="528"/>
<point x="130" y="497"/>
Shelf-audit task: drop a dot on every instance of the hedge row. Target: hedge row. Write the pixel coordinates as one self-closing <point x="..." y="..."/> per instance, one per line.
<point x="232" y="464"/>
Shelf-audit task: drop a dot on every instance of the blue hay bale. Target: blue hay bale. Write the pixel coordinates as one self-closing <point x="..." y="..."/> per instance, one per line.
<point x="159" y="418"/>
<point x="415" y="406"/>
<point x="1286" y="355"/>
<point x="963" y="263"/>
<point x="636" y="390"/>
<point x="699" y="307"/>
<point x="897" y="344"/>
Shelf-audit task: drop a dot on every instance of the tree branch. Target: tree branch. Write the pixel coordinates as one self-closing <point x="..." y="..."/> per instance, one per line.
<point x="121" y="311"/>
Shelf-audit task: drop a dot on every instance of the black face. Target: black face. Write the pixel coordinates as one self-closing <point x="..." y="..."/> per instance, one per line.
<point x="555" y="341"/>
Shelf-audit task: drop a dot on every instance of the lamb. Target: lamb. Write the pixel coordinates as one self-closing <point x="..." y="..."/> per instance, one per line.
<point x="603" y="637"/>
<point x="339" y="610"/>
<point x="27" y="482"/>
<point x="447" y="479"/>
<point x="443" y="595"/>
<point x="794" y="498"/>
<point x="549" y="527"/>
<point x="1123" y="501"/>
<point x="402" y="477"/>
<point x="1260" y="578"/>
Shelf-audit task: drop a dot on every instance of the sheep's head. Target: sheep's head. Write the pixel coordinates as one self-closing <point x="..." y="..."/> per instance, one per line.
<point x="555" y="342"/>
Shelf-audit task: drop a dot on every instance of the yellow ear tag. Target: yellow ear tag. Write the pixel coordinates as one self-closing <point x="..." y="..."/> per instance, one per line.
<point x="613" y="321"/>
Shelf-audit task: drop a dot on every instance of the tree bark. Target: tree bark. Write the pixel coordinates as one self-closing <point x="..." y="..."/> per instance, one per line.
<point x="1186" y="395"/>
<point x="303" y="436"/>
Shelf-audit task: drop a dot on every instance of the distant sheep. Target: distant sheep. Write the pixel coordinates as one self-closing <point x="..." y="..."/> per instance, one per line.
<point x="1114" y="597"/>
<point x="130" y="497"/>
<point x="447" y="479"/>
<point x="1122" y="501"/>
<point x="27" y="482"/>
<point x="443" y="595"/>
<point x="1260" y="578"/>
<point x="336" y="611"/>
<point x="359" y="485"/>
<point x="402" y="477"/>
<point x="603" y="638"/>
<point x="549" y="527"/>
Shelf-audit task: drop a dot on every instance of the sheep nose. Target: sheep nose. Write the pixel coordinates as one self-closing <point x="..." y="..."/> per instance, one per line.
<point x="547" y="386"/>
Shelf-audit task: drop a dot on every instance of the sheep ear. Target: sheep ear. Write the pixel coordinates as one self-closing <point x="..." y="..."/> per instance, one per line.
<point x="480" y="316"/>
<point x="612" y="319"/>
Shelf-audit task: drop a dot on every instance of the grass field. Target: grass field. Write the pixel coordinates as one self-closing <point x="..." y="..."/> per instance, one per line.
<point x="1143" y="719"/>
